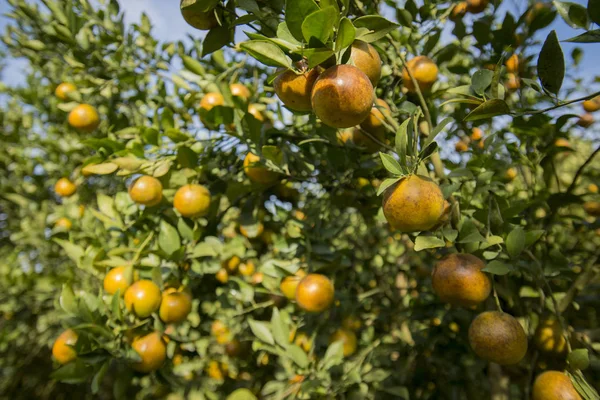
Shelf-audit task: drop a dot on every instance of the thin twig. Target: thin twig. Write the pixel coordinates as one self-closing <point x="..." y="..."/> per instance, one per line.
<point x="536" y="112"/>
<point x="580" y="170"/>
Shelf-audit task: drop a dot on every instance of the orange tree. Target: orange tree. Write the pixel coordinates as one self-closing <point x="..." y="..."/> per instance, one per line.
<point x="338" y="206"/>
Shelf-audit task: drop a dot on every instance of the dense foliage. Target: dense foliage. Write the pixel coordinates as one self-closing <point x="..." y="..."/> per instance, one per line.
<point x="170" y="229"/>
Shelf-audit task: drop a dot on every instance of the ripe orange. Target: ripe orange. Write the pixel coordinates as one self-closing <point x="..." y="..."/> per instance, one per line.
<point x="175" y="306"/>
<point x="498" y="337"/>
<point x="476" y="134"/>
<point x="294" y="89"/>
<point x="375" y="121"/>
<point x="84" y="117"/>
<point x="510" y="174"/>
<point x="461" y="146"/>
<point x="342" y="96"/>
<point x="210" y="100"/>
<point x="239" y="90"/>
<point x="457" y="279"/>
<point x="142" y="298"/>
<point x="62" y="349"/>
<point x="476" y="6"/>
<point x="366" y="58"/>
<point x="146" y="190"/>
<point x="562" y="142"/>
<point x="459" y="11"/>
<point x="513" y="82"/>
<point x="64" y="187"/>
<point x="585" y="120"/>
<point x="554" y="385"/>
<point x="152" y="350"/>
<point x="592" y="105"/>
<point x="414" y="204"/>
<point x="247" y="268"/>
<point x="424" y="70"/>
<point x="222" y="275"/>
<point x="549" y="337"/>
<point x="115" y="280"/>
<point x="352" y="322"/>
<point x="592" y="188"/>
<point x="256" y="172"/>
<point x="592" y="208"/>
<point x="289" y="284"/>
<point x="348" y="339"/>
<point x="254" y="110"/>
<point x="192" y="201"/>
<point x="315" y="293"/>
<point x="513" y="64"/>
<point x="218" y="328"/>
<point x="302" y="340"/>
<point x="64" y="89"/>
<point x="63" y="223"/>
<point x="232" y="264"/>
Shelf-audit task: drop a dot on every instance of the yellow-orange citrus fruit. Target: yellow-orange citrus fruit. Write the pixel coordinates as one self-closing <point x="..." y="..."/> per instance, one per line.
<point x="562" y="142"/>
<point x="549" y="337"/>
<point x="348" y="339"/>
<point x="458" y="11"/>
<point x="315" y="293"/>
<point x="592" y="208"/>
<point x="352" y="322"/>
<point x="232" y="264"/>
<point x="424" y="70"/>
<point x="63" y="223"/>
<point x="258" y="173"/>
<point x="142" y="298"/>
<point x="64" y="187"/>
<point x="294" y="89"/>
<point x="289" y="284"/>
<point x="116" y="279"/>
<point x="192" y="201"/>
<point x="510" y="174"/>
<point x="210" y="100"/>
<point x="257" y="278"/>
<point x="554" y="385"/>
<point x="218" y="328"/>
<point x="239" y="90"/>
<point x="62" y="349"/>
<point x="303" y="341"/>
<point x="513" y="64"/>
<point x="64" y="89"/>
<point x="461" y="146"/>
<point x="513" y="82"/>
<point x="247" y="268"/>
<point x="203" y="21"/>
<point x="374" y="123"/>
<point x="592" y="188"/>
<point x="414" y="204"/>
<point x="153" y="351"/>
<point x="585" y="120"/>
<point x="476" y="6"/>
<point x="84" y="117"/>
<point x="256" y="113"/>
<point x="366" y="58"/>
<point x="476" y="134"/>
<point x="457" y="279"/>
<point x="222" y="275"/>
<point x="592" y="105"/>
<point x="146" y="190"/>
<point x="175" y="307"/>
<point x="214" y="371"/>
<point x="253" y="231"/>
<point x="498" y="337"/>
<point x="342" y="96"/>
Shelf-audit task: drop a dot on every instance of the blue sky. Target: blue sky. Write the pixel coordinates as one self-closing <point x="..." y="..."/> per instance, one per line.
<point x="168" y="25"/>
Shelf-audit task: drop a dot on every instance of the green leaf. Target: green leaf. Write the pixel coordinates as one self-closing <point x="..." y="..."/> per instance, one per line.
<point x="284" y="34"/>
<point x="551" y="64"/>
<point x="386" y="184"/>
<point x="489" y="109"/>
<point x="215" y="39"/>
<point x="296" y="12"/>
<point x="481" y="80"/>
<point x="377" y="27"/>
<point x="74" y="251"/>
<point x="333" y="356"/>
<point x="515" y="242"/>
<point x="346" y="35"/>
<point x="428" y="242"/>
<point x="261" y="330"/>
<point x="439" y="128"/>
<point x="241" y="394"/>
<point x="573" y="14"/>
<point x="428" y="151"/>
<point x="315" y="56"/>
<point x="99" y="376"/>
<point x="391" y="164"/>
<point x="497" y="268"/>
<point x="67" y="300"/>
<point x="579" y="359"/>
<point x="587" y="37"/>
<point x="280" y="329"/>
<point x="297" y="355"/>
<point x="267" y="53"/>
<point x="593" y="10"/>
<point x="168" y="238"/>
<point x="402" y="141"/>
<point x="319" y="25"/>
<point x="193" y="65"/>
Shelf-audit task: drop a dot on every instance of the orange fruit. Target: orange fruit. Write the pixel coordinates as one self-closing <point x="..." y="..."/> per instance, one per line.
<point x="146" y="190"/>
<point x="585" y="120"/>
<point x="510" y="174"/>
<point x="424" y="70"/>
<point x="315" y="293"/>
<point x="592" y="208"/>
<point x="458" y="11"/>
<point x="143" y="298"/>
<point x="253" y="233"/>
<point x="348" y="339"/>
<point x="192" y="201"/>
<point x="498" y="337"/>
<point x="549" y="337"/>
<point x="153" y="351"/>
<point x="289" y="284"/>
<point x="256" y="172"/>
<point x="222" y="275"/>
<point x="64" y="89"/>
<point x="175" y="307"/>
<point x="63" y="223"/>
<point x="366" y="58"/>
<point x="414" y="204"/>
<point x="351" y="322"/>
<point x="457" y="279"/>
<point x="375" y="121"/>
<point x="115" y="280"/>
<point x="232" y="264"/>
<point x="256" y="113"/>
<point x="342" y="96"/>
<point x="64" y="187"/>
<point x="554" y="385"/>
<point x="239" y="90"/>
<point x="461" y="146"/>
<point x="294" y="90"/>
<point x="592" y="105"/>
<point x="84" y="117"/>
<point x="62" y="349"/>
<point x="513" y="82"/>
<point x="247" y="268"/>
<point x="476" y="6"/>
<point x="513" y="64"/>
<point x="476" y="134"/>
